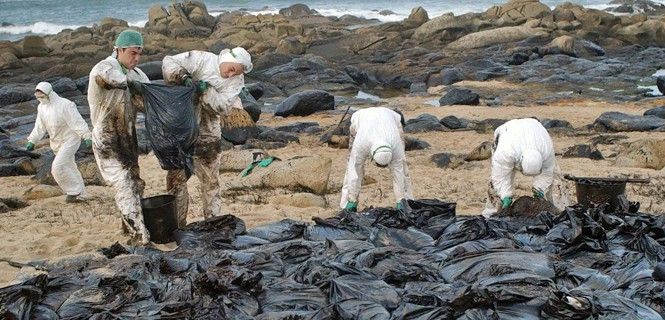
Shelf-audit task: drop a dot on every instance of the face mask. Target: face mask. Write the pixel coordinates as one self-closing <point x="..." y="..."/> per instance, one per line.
<point x="42" y="99"/>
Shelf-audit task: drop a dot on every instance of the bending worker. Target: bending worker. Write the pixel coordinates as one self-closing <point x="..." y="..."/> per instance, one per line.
<point x="376" y="133"/>
<point x="219" y="79"/>
<point x="59" y="118"/>
<point x="113" y="113"/>
<point x="520" y="145"/>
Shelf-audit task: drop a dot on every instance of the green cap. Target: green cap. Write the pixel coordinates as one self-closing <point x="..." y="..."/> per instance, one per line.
<point x="129" y="39"/>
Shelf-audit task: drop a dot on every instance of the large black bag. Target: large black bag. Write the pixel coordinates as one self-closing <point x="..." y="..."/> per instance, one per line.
<point x="171" y="122"/>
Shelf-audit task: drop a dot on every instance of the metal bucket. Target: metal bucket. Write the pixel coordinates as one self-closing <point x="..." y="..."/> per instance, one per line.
<point x="160" y="217"/>
<point x="595" y="192"/>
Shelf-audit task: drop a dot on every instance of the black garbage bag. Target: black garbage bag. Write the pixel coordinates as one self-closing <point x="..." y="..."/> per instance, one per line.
<point x="17" y="301"/>
<point x="364" y="288"/>
<point x="474" y="267"/>
<point x="421" y="312"/>
<point x="410" y="238"/>
<point x="216" y="232"/>
<point x="288" y="295"/>
<point x="614" y="306"/>
<point x="244" y="242"/>
<point x="574" y="304"/>
<point x="465" y="229"/>
<point x="358" y="309"/>
<point x="397" y="266"/>
<point x="286" y="229"/>
<point x="171" y="122"/>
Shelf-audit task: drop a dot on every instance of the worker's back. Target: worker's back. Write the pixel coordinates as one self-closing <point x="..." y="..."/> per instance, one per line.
<point x="377" y="125"/>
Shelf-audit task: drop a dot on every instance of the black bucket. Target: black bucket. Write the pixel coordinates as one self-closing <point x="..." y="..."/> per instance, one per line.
<point x="594" y="192"/>
<point x="160" y="217"/>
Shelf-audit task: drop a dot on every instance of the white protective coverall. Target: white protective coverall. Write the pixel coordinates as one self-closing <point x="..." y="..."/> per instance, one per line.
<point x="374" y="128"/>
<point x="59" y="118"/>
<point x="221" y="95"/>
<point x="512" y="141"/>
<point x="113" y="114"/>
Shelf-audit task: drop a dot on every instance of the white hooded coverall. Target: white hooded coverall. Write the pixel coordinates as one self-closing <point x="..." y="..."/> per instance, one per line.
<point x="61" y="120"/>
<point x="221" y="95"/>
<point x="113" y="114"/>
<point x="510" y="142"/>
<point x="372" y="128"/>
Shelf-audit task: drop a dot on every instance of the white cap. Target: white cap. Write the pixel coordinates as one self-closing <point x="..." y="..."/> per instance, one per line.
<point x="532" y="162"/>
<point x="237" y="55"/>
<point x="382" y="155"/>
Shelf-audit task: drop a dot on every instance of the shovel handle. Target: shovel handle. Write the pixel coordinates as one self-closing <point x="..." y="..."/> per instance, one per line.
<point x="631" y="180"/>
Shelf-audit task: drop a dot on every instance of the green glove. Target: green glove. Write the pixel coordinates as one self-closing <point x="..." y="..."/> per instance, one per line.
<point x="538" y="194"/>
<point x="399" y="205"/>
<point x="188" y="82"/>
<point x="135" y="87"/>
<point x="351" y="206"/>
<point x="87" y="143"/>
<point x="201" y="86"/>
<point x="266" y="162"/>
<point x="506" y="202"/>
<point x="30" y="146"/>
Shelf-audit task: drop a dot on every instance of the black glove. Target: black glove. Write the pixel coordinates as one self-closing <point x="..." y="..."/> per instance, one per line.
<point x="135" y="87"/>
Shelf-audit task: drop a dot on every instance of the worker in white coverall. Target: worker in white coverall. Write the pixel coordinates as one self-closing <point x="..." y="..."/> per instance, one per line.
<point x="113" y="106"/>
<point x="376" y="133"/>
<point x="219" y="79"/>
<point x="59" y="118"/>
<point x="520" y="145"/>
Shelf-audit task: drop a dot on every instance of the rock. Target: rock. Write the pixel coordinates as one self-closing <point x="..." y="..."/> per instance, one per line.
<point x="553" y="123"/>
<point x="297" y="174"/>
<point x="607" y="139"/>
<point x="617" y="121"/>
<point x="451" y="75"/>
<point x="453" y="122"/>
<point x="411" y="144"/>
<point x="84" y="161"/>
<point x="15" y="93"/>
<point x="423" y="123"/>
<point x="643" y="154"/>
<point x="108" y="23"/>
<point x="256" y="90"/>
<point x="238" y="126"/>
<point x="300" y="200"/>
<point x="561" y="45"/>
<point x="456" y="96"/>
<point x="157" y="14"/>
<point x="519" y="10"/>
<point x="272" y="135"/>
<point x="588" y="47"/>
<point x="518" y="58"/>
<point x="491" y="37"/>
<point x="22" y="166"/>
<point x="660" y="83"/>
<point x="419" y="87"/>
<point x="481" y="152"/>
<point x="644" y="6"/>
<point x="447" y="160"/>
<point x="66" y="87"/>
<point x="152" y="69"/>
<point x="34" y="46"/>
<point x="306" y="103"/>
<point x="647" y="33"/>
<point x="237" y="160"/>
<point x="11" y="204"/>
<point x="386" y="13"/>
<point x="417" y="17"/>
<point x="297" y="11"/>
<point x="488" y="125"/>
<point x="252" y="107"/>
<point x="82" y="84"/>
<point x="298" y="127"/>
<point x="42" y="191"/>
<point x="260" y="144"/>
<point x="291" y="45"/>
<point x="446" y="27"/>
<point x="657" y="112"/>
<point x="9" y="61"/>
<point x="583" y="151"/>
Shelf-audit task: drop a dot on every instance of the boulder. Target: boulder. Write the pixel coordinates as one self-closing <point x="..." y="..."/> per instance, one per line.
<point x="519" y="10"/>
<point x="583" y="151"/>
<point x="496" y="36"/>
<point x="481" y="152"/>
<point x="446" y="27"/>
<point x="109" y="23"/>
<point x="643" y="154"/>
<point x="306" y="103"/>
<point x="15" y="93"/>
<point x="298" y="127"/>
<point x="272" y="135"/>
<point x="457" y="96"/>
<point x="657" y="112"/>
<point x="235" y="160"/>
<point x="447" y="160"/>
<point x="561" y="45"/>
<point x="554" y="123"/>
<point x="152" y="69"/>
<point x="423" y="123"/>
<point x="411" y="144"/>
<point x="291" y="45"/>
<point x="488" y="125"/>
<point x="251" y="106"/>
<point x="660" y="83"/>
<point x="417" y="17"/>
<point x="418" y="88"/>
<point x="300" y="200"/>
<point x="297" y="11"/>
<point x="238" y="126"/>
<point x="9" y="61"/>
<point x="453" y="122"/>
<point x="34" y="46"/>
<point x="650" y="33"/>
<point x="42" y="191"/>
<point x="297" y="174"/>
<point x="22" y="166"/>
<point x="617" y="121"/>
<point x="451" y="75"/>
<point x="65" y="87"/>
<point x="82" y="84"/>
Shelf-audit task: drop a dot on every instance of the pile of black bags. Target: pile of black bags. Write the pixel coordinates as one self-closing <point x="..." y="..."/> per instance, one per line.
<point x="422" y="262"/>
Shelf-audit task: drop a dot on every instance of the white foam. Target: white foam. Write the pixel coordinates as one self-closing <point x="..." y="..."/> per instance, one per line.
<point x="140" y="23"/>
<point x="36" y="28"/>
<point x="659" y="73"/>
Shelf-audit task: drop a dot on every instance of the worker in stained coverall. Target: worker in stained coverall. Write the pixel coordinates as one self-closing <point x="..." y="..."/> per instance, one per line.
<point x="114" y="97"/>
<point x="219" y="80"/>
